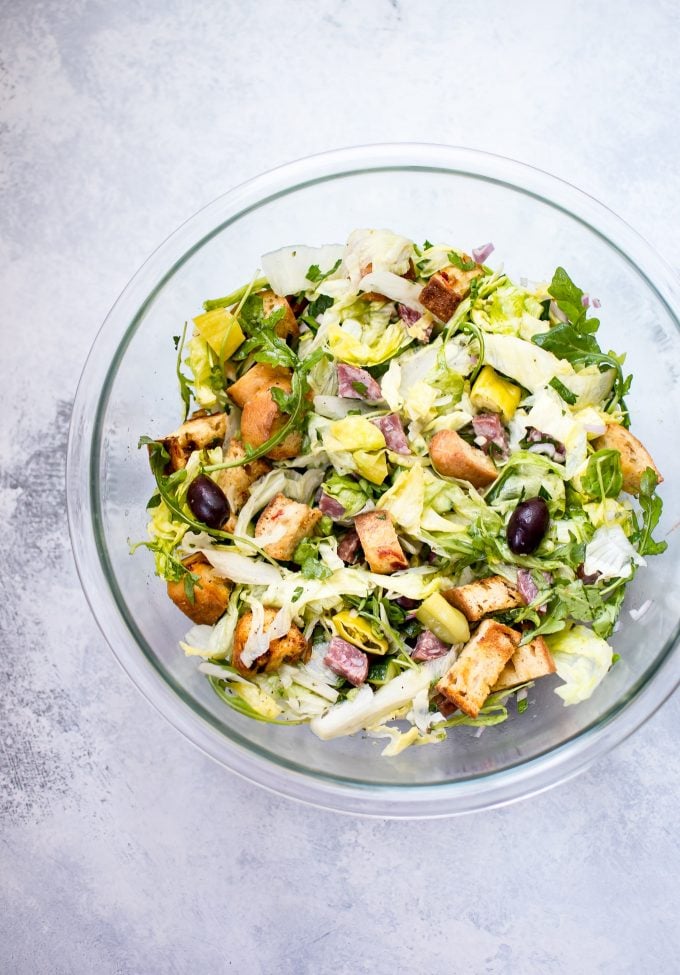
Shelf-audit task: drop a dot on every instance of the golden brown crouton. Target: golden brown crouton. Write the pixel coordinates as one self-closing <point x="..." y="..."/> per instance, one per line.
<point x="480" y="664"/>
<point x="295" y="520"/>
<point x="288" y="326"/>
<point x="260" y="376"/>
<point x="199" y="431"/>
<point x="211" y="592"/>
<point x="529" y="662"/>
<point x="490" y="595"/>
<point x="260" y="420"/>
<point x="454" y="457"/>
<point x="291" y="648"/>
<point x="379" y="541"/>
<point x="635" y="457"/>
<point x="236" y="481"/>
<point x="446" y="289"/>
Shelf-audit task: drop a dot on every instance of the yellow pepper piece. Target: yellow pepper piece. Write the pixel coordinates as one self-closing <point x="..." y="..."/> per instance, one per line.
<point x="371" y="466"/>
<point x="359" y="632"/>
<point x="445" y="621"/>
<point x="491" y="392"/>
<point x="357" y="433"/>
<point x="220" y="329"/>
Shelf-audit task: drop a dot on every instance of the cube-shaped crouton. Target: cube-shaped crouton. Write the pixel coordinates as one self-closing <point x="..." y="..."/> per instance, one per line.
<point x="446" y="289"/>
<point x="468" y="683"/>
<point x="200" y="431"/>
<point x="454" y="457"/>
<point x="260" y="376"/>
<point x="379" y="541"/>
<point x="287" y="327"/>
<point x="635" y="457"/>
<point x="529" y="662"/>
<point x="236" y="481"/>
<point x="211" y="592"/>
<point x="484" y="596"/>
<point x="262" y="418"/>
<point x="289" y="522"/>
<point x="291" y="648"/>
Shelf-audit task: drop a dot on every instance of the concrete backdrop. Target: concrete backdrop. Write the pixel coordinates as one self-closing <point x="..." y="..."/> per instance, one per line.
<point x="124" y="850"/>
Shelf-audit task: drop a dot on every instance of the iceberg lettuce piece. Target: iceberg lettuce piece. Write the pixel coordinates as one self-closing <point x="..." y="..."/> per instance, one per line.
<point x="582" y="659"/>
<point x="405" y="499"/>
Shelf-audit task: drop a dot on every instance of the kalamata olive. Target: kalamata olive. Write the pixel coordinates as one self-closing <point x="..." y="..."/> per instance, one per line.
<point x="207" y="501"/>
<point x="527" y="525"/>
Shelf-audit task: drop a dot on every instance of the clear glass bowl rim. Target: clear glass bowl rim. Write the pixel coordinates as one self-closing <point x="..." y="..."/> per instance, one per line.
<point x="417" y="801"/>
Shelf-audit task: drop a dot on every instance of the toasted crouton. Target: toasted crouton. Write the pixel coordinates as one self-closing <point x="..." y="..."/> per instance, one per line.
<point x="454" y="457"/>
<point x="290" y="648"/>
<point x="287" y="327"/>
<point x="446" y="289"/>
<point x="211" y="592"/>
<point x="200" y="431"/>
<point x="529" y="662"/>
<point x="379" y="541"/>
<point x="260" y="376"/>
<point x="490" y="595"/>
<point x="290" y="520"/>
<point x="635" y="457"/>
<point x="236" y="481"/>
<point x="261" y="418"/>
<point x="480" y="664"/>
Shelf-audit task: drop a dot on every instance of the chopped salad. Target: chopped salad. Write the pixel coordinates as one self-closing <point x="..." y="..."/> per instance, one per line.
<point x="404" y="489"/>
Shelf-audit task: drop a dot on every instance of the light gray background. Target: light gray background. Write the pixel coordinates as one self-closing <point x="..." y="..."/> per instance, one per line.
<point x="123" y="849"/>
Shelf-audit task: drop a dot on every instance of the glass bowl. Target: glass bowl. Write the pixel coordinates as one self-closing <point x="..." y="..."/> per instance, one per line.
<point x="128" y="388"/>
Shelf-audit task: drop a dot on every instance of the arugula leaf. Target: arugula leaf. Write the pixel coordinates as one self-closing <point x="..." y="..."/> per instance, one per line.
<point x="563" y="391"/>
<point x="652" y="506"/>
<point x="603" y="477"/>
<point x="316" y="276"/>
<point x="185" y="389"/>
<point x="569" y="298"/>
<point x="458" y="262"/>
<point x="320" y="305"/>
<point x="235" y="296"/>
<point x="313" y="569"/>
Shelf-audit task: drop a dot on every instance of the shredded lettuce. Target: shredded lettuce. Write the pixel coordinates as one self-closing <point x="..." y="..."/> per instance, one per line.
<point x="582" y="659"/>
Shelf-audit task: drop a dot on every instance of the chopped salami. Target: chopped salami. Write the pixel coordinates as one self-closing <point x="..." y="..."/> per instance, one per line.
<point x="489" y="430"/>
<point x="348" y="547"/>
<point x="392" y="430"/>
<point x="408" y="315"/>
<point x="346" y="661"/>
<point x="331" y="507"/>
<point x="355" y="383"/>
<point x="429" y="647"/>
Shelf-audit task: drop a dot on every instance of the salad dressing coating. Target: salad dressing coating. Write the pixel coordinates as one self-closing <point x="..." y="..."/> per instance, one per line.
<point x="408" y="491"/>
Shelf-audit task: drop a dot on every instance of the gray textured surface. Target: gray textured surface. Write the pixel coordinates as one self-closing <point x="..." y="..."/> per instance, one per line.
<point x="122" y="848"/>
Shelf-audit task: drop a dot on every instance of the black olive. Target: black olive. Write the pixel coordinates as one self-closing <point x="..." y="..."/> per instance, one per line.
<point x="207" y="501"/>
<point x="527" y="525"/>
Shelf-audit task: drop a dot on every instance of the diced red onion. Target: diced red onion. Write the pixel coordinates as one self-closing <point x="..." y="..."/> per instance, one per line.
<point x="347" y="661"/>
<point x="480" y="254"/>
<point x="585" y="301"/>
<point x="528" y="589"/>
<point x="429" y="647"/>
<point x="331" y="506"/>
<point x="355" y="383"/>
<point x="393" y="431"/>
<point x="557" y="312"/>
